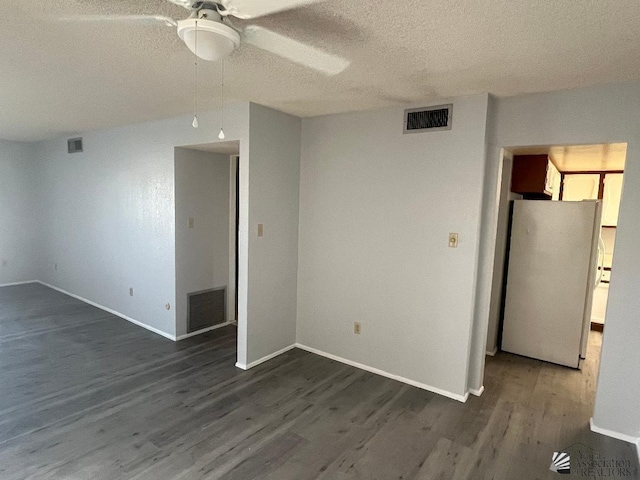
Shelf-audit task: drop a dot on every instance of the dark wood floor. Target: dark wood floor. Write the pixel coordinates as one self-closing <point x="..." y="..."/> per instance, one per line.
<point x="86" y="395"/>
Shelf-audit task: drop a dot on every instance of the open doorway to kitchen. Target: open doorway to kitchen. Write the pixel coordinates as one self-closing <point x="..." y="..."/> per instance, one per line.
<point x="554" y="260"/>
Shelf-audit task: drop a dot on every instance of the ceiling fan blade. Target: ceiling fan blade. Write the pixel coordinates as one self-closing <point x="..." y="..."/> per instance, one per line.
<point x="143" y="19"/>
<point x="183" y="3"/>
<point x="247" y="9"/>
<point x="295" y="51"/>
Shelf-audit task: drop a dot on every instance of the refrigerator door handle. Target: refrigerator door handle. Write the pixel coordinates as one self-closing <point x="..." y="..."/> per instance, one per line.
<point x="601" y="254"/>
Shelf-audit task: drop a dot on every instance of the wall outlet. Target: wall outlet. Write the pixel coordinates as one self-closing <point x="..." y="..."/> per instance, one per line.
<point x="453" y="240"/>
<point x="356" y="328"/>
<point x="260" y="229"/>
<point x="192" y="222"/>
<point x="131" y="291"/>
<point x="55" y="266"/>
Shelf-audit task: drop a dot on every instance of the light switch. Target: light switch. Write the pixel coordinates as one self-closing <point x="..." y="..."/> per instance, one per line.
<point x="453" y="240"/>
<point x="260" y="230"/>
<point x="191" y="222"/>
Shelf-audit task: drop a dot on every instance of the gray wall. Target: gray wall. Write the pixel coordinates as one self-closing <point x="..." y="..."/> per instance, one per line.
<point x="376" y="209"/>
<point x="109" y="213"/>
<point x="108" y="220"/>
<point x="594" y="115"/>
<point x="202" y="252"/>
<point x="482" y="302"/>
<point x="19" y="213"/>
<point x="273" y="180"/>
<point x="500" y="257"/>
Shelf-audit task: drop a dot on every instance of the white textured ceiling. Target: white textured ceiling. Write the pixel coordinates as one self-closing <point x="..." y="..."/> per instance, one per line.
<point x="59" y="78"/>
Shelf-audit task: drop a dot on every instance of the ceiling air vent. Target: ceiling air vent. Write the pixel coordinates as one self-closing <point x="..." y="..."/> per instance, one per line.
<point x="74" y="145"/>
<point x="428" y="119"/>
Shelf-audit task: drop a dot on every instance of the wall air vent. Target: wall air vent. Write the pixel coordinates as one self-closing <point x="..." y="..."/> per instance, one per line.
<point x="74" y="145"/>
<point x="206" y="309"/>
<point x="428" y="119"/>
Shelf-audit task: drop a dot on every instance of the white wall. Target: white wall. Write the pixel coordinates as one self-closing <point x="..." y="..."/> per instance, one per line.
<point x="109" y="213"/>
<point x="595" y="115"/>
<point x="18" y="213"/>
<point x="202" y="252"/>
<point x="376" y="208"/>
<point x="273" y="179"/>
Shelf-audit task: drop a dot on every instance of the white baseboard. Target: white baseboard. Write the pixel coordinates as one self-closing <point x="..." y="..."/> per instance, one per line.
<point x="202" y="330"/>
<point x="265" y="358"/>
<point x="109" y="310"/>
<point x="493" y="352"/>
<point x="439" y="391"/>
<point x="18" y="283"/>
<point x="478" y="392"/>
<point x="610" y="433"/>
<point x="620" y="436"/>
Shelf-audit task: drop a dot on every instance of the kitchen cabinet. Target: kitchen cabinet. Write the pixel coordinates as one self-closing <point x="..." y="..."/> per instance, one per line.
<point x="579" y="187"/>
<point x="557" y="184"/>
<point x="609" y="240"/>
<point x="534" y="176"/>
<point x="611" y="199"/>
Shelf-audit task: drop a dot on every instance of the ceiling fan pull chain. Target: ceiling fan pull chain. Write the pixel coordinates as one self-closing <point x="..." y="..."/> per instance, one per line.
<point x="195" y="86"/>
<point x="221" y="134"/>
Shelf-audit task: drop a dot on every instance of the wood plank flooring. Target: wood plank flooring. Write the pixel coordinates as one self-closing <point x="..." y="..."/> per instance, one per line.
<point x="87" y="395"/>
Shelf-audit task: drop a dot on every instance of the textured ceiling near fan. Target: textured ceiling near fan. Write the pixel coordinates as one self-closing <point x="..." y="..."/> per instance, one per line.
<point x="59" y="78"/>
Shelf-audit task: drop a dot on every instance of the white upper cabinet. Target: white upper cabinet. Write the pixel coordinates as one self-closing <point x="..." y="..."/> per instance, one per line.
<point x="611" y="200"/>
<point x="580" y="187"/>
<point x="552" y="181"/>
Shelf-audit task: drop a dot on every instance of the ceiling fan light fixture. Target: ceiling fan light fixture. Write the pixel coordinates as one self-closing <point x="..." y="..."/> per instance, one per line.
<point x="215" y="40"/>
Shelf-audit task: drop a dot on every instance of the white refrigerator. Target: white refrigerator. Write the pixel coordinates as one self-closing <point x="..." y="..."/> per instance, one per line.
<point x="552" y="272"/>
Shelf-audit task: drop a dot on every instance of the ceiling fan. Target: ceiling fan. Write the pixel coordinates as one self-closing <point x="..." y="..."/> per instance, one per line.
<point x="217" y="36"/>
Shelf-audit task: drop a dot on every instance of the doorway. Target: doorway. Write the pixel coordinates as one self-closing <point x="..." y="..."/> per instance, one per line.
<point x="580" y="173"/>
<point x="206" y="199"/>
